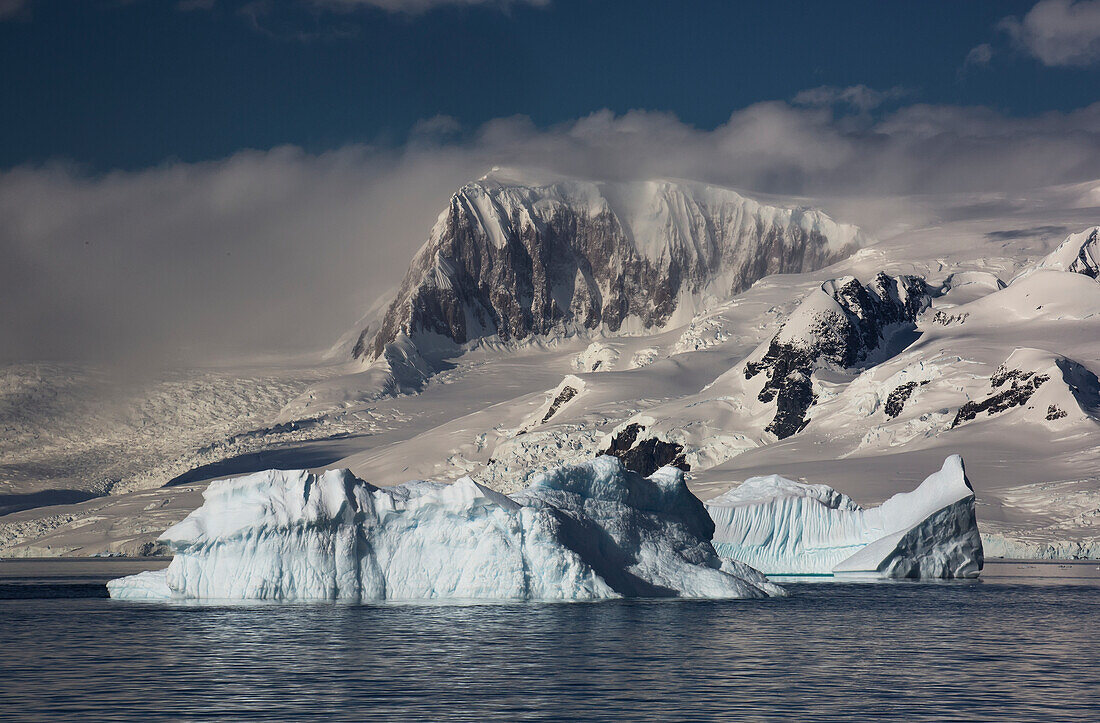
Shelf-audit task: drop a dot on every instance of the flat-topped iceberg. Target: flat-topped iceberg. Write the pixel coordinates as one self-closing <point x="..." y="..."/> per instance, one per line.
<point x="584" y="532"/>
<point x="780" y="526"/>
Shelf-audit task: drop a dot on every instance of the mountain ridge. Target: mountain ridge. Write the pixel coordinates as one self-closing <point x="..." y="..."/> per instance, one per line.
<point x="516" y="259"/>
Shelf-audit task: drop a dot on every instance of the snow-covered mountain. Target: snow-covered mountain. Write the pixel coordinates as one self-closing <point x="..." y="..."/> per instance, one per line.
<point x="863" y="375"/>
<point x="837" y="329"/>
<point x="1078" y="254"/>
<point x="841" y="323"/>
<point x="513" y="257"/>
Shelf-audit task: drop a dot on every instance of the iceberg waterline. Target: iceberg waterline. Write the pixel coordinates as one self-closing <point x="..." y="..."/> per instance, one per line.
<point x="781" y="526"/>
<point x="583" y="532"/>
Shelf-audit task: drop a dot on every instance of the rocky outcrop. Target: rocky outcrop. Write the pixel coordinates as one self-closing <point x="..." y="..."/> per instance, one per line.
<point x="1019" y="390"/>
<point x="1035" y="379"/>
<point x="564" y="396"/>
<point x="839" y="324"/>
<point x="512" y="258"/>
<point x="895" y="401"/>
<point x="645" y="454"/>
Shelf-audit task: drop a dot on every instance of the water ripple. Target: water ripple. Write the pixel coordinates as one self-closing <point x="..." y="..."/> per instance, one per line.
<point x="830" y="652"/>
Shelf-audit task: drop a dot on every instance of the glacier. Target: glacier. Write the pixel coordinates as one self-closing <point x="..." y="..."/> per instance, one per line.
<point x="590" y="531"/>
<point x="783" y="527"/>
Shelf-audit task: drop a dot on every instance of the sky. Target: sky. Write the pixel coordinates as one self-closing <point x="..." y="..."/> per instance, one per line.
<point x="132" y="83"/>
<point x="189" y="179"/>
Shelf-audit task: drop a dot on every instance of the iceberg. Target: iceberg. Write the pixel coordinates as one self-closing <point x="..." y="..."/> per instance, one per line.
<point x="783" y="527"/>
<point x="583" y="532"/>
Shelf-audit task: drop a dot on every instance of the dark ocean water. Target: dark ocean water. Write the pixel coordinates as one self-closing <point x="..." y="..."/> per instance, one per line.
<point x="1001" y="649"/>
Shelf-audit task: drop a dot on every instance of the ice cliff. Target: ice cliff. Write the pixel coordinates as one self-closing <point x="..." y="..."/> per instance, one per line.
<point x="784" y="527"/>
<point x="584" y="532"/>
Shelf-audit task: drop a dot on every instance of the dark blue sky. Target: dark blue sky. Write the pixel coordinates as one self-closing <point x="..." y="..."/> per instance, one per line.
<point x="113" y="84"/>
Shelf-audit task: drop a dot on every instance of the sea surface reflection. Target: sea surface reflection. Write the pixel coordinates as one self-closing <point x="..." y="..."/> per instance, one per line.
<point x="994" y="650"/>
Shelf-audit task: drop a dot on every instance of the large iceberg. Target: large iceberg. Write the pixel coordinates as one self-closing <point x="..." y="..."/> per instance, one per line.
<point x="584" y="532"/>
<point x="780" y="526"/>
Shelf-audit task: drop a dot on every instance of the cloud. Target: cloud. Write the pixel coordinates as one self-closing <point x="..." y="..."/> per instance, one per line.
<point x="276" y="250"/>
<point x="257" y="13"/>
<point x="858" y="97"/>
<point x="266" y="17"/>
<point x="1054" y="232"/>
<point x="12" y="8"/>
<point x="281" y="250"/>
<point x="407" y="7"/>
<point x="312" y="20"/>
<point x="413" y="7"/>
<point x="979" y="56"/>
<point x="1059" y="32"/>
<point x="437" y="127"/>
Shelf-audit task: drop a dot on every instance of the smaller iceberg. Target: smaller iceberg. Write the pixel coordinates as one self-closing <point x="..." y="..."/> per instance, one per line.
<point x="783" y="527"/>
<point x="583" y="532"/>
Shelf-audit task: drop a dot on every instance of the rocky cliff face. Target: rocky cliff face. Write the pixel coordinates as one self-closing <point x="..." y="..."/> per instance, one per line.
<point x="839" y="324"/>
<point x="512" y="259"/>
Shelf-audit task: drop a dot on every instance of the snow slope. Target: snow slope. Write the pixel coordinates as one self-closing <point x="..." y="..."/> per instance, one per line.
<point x="585" y="532"/>
<point x="1078" y="254"/>
<point x="788" y="528"/>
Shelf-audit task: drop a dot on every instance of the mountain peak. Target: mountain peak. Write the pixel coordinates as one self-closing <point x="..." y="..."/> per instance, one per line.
<point x="518" y="254"/>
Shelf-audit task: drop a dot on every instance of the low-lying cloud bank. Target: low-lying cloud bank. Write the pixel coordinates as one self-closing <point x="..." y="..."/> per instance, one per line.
<point x="281" y="250"/>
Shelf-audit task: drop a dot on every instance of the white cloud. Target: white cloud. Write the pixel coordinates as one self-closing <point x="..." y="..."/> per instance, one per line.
<point x="1059" y="32"/>
<point x="11" y="8"/>
<point x="281" y="250"/>
<point x="275" y="250"/>
<point x="253" y="10"/>
<point x="417" y="6"/>
<point x="438" y="126"/>
<point x="979" y="56"/>
<point x="188" y="5"/>
<point x="858" y="97"/>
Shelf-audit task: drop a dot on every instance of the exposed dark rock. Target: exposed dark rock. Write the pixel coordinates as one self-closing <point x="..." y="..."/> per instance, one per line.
<point x="1003" y="375"/>
<point x="895" y="402"/>
<point x="154" y="549"/>
<point x="648" y="455"/>
<point x="1084" y="263"/>
<point x="564" y="396"/>
<point x="838" y="325"/>
<point x="1015" y="382"/>
<point x="513" y="261"/>
<point x="942" y="318"/>
<point x="1019" y="391"/>
<point x="794" y="397"/>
